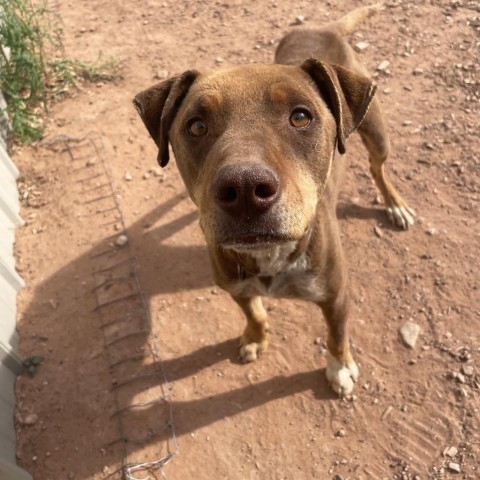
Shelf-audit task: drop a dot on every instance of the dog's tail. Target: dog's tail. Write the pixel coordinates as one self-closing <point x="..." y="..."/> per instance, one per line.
<point x="348" y="23"/>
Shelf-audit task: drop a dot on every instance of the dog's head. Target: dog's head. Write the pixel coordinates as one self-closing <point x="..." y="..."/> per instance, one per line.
<point x="255" y="144"/>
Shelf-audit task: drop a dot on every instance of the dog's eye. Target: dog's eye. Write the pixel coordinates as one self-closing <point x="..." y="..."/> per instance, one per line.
<point x="197" y="128"/>
<point x="300" y="118"/>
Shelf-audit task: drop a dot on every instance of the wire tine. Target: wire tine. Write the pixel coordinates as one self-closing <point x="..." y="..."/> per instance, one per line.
<point x="138" y="356"/>
<point x="103" y="252"/>
<point x="97" y="199"/>
<point x="98" y="187"/>
<point x="99" y="212"/>
<point x="112" y="267"/>
<point x="113" y="222"/>
<point x="139" y="405"/>
<point x="143" y="331"/>
<point x="112" y="281"/>
<point x="115" y="300"/>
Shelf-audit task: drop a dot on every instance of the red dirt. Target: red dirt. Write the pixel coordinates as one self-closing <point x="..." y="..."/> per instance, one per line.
<point x="276" y="418"/>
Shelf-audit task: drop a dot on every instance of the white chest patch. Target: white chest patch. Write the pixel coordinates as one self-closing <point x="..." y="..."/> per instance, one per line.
<point x="278" y="276"/>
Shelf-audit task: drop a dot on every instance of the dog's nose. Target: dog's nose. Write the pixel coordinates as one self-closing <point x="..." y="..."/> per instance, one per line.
<point x="245" y="189"/>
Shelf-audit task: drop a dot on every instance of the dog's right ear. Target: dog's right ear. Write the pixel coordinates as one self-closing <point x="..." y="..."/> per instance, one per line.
<point x="158" y="105"/>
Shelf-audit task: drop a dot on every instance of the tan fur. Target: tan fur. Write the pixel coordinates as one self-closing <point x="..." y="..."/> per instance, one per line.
<point x="265" y="188"/>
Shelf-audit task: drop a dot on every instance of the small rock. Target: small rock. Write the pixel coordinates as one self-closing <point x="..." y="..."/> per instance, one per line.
<point x="30" y="419"/>
<point x="219" y="60"/>
<point x="157" y="172"/>
<point x="383" y="65"/>
<point x="146" y="176"/>
<point x="431" y="231"/>
<point x="161" y="74"/>
<point x="378" y="232"/>
<point x="90" y="163"/>
<point x="418" y="71"/>
<point x="340" y="433"/>
<point x="406" y="123"/>
<point x="454" y="467"/>
<point x="128" y="177"/>
<point x="409" y="332"/>
<point x="299" y="20"/>
<point x="387" y="91"/>
<point x="121" y="240"/>
<point x="361" y="46"/>
<point x="460" y="378"/>
<point x="318" y="341"/>
<point x="467" y="370"/>
<point x="450" y="452"/>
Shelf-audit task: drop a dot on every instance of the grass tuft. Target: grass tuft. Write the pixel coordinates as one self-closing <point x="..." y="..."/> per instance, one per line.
<point x="29" y="81"/>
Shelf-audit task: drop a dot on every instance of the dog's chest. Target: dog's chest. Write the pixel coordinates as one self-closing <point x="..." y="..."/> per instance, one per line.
<point x="277" y="275"/>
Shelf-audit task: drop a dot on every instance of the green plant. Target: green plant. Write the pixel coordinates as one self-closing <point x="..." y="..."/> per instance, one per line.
<point x="26" y="78"/>
<point x="22" y="68"/>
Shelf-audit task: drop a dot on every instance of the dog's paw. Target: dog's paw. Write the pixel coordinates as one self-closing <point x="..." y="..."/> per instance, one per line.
<point x="250" y="351"/>
<point x="341" y="377"/>
<point x="401" y="216"/>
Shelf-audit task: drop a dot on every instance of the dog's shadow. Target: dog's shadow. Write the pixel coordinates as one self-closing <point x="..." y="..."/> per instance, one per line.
<point x="165" y="266"/>
<point x="348" y="210"/>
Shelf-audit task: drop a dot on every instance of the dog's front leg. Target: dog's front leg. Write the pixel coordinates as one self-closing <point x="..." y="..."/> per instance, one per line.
<point x="342" y="370"/>
<point x="254" y="338"/>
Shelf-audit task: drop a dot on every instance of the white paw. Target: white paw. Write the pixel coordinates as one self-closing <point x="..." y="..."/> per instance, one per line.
<point x="341" y="377"/>
<point x="403" y="217"/>
<point x="249" y="352"/>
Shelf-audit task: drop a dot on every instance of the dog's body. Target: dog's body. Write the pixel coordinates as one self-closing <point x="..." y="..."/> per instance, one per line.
<point x="258" y="149"/>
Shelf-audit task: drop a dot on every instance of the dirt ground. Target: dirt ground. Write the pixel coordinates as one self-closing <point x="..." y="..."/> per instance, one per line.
<point x="415" y="413"/>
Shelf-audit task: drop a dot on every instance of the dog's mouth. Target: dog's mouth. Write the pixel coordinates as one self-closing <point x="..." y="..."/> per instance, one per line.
<point x="254" y="241"/>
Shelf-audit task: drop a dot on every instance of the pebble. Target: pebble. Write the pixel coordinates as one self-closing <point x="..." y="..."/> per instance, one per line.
<point x="378" y="232"/>
<point x="383" y="65"/>
<point x="128" y="177"/>
<point x="341" y="433"/>
<point x="450" y="451"/>
<point x="418" y="71"/>
<point x="467" y="370"/>
<point x="157" y="172"/>
<point x="361" y="46"/>
<point x="299" y="19"/>
<point x="146" y="176"/>
<point x="409" y="332"/>
<point x="431" y="231"/>
<point x="161" y="74"/>
<point x="121" y="240"/>
<point x="454" y="467"/>
<point x="30" y="419"/>
<point x="219" y="60"/>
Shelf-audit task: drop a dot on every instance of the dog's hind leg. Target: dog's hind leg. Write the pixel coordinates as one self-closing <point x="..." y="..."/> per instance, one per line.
<point x="254" y="338"/>
<point x="375" y="138"/>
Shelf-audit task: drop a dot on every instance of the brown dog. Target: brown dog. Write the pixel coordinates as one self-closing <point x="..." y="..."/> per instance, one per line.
<point x="258" y="149"/>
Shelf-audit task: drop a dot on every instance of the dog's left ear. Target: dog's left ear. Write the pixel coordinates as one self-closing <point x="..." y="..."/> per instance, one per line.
<point x="158" y="105"/>
<point x="347" y="94"/>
